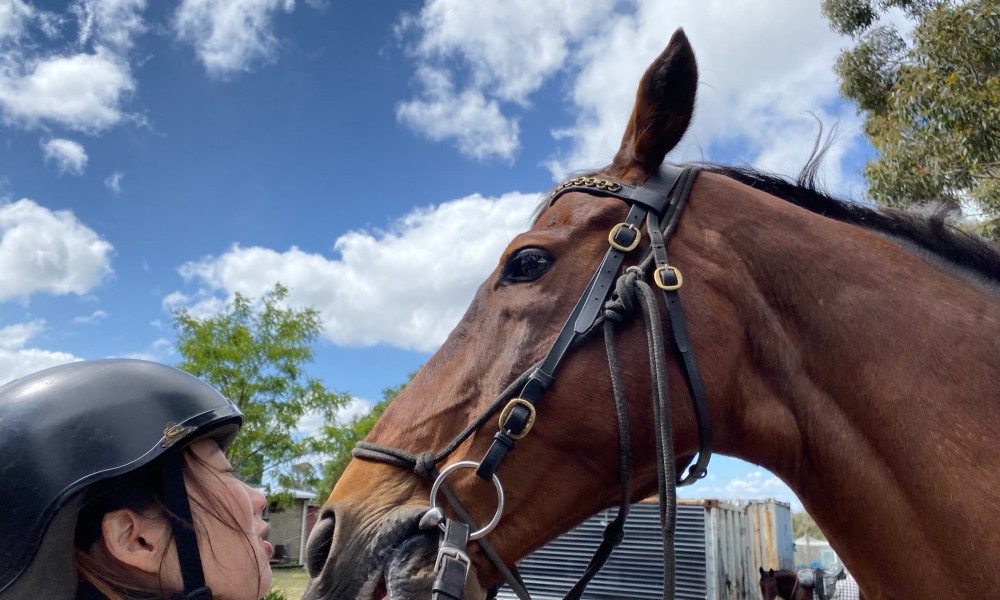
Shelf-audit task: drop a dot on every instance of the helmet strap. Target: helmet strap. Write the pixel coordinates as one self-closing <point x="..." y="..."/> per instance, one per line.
<point x="179" y="512"/>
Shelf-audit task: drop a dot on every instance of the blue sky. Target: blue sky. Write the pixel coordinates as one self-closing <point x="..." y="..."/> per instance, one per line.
<point x="375" y="157"/>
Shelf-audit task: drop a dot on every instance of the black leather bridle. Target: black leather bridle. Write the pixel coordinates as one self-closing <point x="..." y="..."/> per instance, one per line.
<point x="608" y="299"/>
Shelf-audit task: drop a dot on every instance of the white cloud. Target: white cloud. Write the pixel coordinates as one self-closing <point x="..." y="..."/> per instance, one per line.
<point x="82" y="87"/>
<point x="203" y="304"/>
<point x="16" y="336"/>
<point x="354" y="409"/>
<point x="312" y="422"/>
<point x="113" y="23"/>
<point x="509" y="49"/>
<point x="83" y="92"/>
<point x="755" y="483"/>
<point x="96" y="317"/>
<point x="48" y="251"/>
<point x="762" y="73"/>
<point x="69" y="156"/>
<point x="17" y="361"/>
<point x="510" y="46"/>
<point x="475" y="123"/>
<point x="405" y="287"/>
<point x="175" y="300"/>
<point x="751" y="484"/>
<point x="158" y="351"/>
<point x="14" y="18"/>
<point x="114" y="183"/>
<point x="230" y="36"/>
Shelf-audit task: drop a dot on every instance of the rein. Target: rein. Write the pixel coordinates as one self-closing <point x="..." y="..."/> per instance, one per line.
<point x="658" y="203"/>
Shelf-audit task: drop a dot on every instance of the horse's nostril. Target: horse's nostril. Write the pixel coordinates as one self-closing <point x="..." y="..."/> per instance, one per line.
<point x="320" y="541"/>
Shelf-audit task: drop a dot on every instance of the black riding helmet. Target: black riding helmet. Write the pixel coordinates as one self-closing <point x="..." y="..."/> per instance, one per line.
<point x="68" y="427"/>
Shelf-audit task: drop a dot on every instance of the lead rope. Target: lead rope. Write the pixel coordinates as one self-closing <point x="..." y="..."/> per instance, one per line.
<point x="614" y="532"/>
<point x="631" y="287"/>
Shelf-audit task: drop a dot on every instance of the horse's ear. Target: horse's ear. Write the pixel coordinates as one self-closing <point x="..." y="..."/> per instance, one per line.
<point x="761" y="571"/>
<point x="771" y="571"/>
<point x="664" y="105"/>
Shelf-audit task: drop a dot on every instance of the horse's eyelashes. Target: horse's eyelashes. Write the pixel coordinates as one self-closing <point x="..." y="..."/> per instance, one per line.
<point x="527" y="264"/>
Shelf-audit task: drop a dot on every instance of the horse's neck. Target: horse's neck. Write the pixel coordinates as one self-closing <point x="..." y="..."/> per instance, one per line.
<point x="867" y="381"/>
<point x="791" y="587"/>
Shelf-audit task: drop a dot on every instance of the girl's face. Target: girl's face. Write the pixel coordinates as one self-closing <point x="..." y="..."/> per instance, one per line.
<point x="233" y="554"/>
<point x="226" y="512"/>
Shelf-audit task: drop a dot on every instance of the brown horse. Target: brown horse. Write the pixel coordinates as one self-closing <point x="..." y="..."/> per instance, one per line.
<point x="782" y="585"/>
<point x="838" y="344"/>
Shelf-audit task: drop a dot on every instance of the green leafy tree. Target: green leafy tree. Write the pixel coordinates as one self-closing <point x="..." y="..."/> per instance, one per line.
<point x="344" y="437"/>
<point x="255" y="354"/>
<point x="931" y="100"/>
<point x="803" y="524"/>
<point x="303" y="476"/>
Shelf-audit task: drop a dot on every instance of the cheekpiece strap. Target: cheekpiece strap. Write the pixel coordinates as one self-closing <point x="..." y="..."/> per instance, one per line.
<point x="452" y="566"/>
<point x="653" y="198"/>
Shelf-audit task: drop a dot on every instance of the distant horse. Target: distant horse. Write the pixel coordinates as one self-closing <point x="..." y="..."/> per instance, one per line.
<point x="783" y="585"/>
<point x="853" y="352"/>
<point x="786" y="584"/>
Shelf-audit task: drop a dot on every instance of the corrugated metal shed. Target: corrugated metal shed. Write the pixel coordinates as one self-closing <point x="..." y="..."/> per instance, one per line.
<point x="713" y="549"/>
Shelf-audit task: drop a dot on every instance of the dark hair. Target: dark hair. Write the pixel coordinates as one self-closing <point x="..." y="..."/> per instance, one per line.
<point x="142" y="492"/>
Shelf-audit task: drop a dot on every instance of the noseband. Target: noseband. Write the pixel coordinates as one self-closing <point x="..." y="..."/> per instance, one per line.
<point x="658" y="203"/>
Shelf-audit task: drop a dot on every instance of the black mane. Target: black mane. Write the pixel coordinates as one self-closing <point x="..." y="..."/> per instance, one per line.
<point x="930" y="233"/>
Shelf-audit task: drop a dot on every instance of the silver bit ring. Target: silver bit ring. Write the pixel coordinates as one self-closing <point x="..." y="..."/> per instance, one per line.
<point x="469" y="464"/>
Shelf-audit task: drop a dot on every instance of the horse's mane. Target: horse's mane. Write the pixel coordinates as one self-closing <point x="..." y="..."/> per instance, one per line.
<point x="930" y="233"/>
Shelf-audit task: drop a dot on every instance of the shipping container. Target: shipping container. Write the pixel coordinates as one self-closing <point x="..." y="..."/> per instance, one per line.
<point x="719" y="548"/>
<point x="774" y="546"/>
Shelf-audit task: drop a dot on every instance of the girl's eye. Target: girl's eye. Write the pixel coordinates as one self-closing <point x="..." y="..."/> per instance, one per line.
<point x="527" y="264"/>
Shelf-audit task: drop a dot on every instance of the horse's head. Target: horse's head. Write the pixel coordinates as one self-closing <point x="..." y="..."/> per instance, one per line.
<point x="368" y="542"/>
<point x="783" y="584"/>
<point x="768" y="584"/>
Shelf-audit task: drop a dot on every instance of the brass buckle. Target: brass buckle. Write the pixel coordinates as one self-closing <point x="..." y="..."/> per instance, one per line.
<point x="616" y="245"/>
<point x="658" y="278"/>
<point x="506" y="413"/>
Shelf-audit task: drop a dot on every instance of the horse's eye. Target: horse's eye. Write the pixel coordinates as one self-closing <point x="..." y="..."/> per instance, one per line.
<point x="527" y="264"/>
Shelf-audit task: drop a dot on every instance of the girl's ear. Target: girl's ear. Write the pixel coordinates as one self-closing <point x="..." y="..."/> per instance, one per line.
<point x="135" y="540"/>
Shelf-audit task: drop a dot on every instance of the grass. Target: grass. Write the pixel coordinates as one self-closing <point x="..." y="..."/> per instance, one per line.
<point x="291" y="581"/>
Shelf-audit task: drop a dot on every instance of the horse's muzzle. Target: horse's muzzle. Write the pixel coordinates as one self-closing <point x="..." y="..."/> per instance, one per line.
<point x="353" y="558"/>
